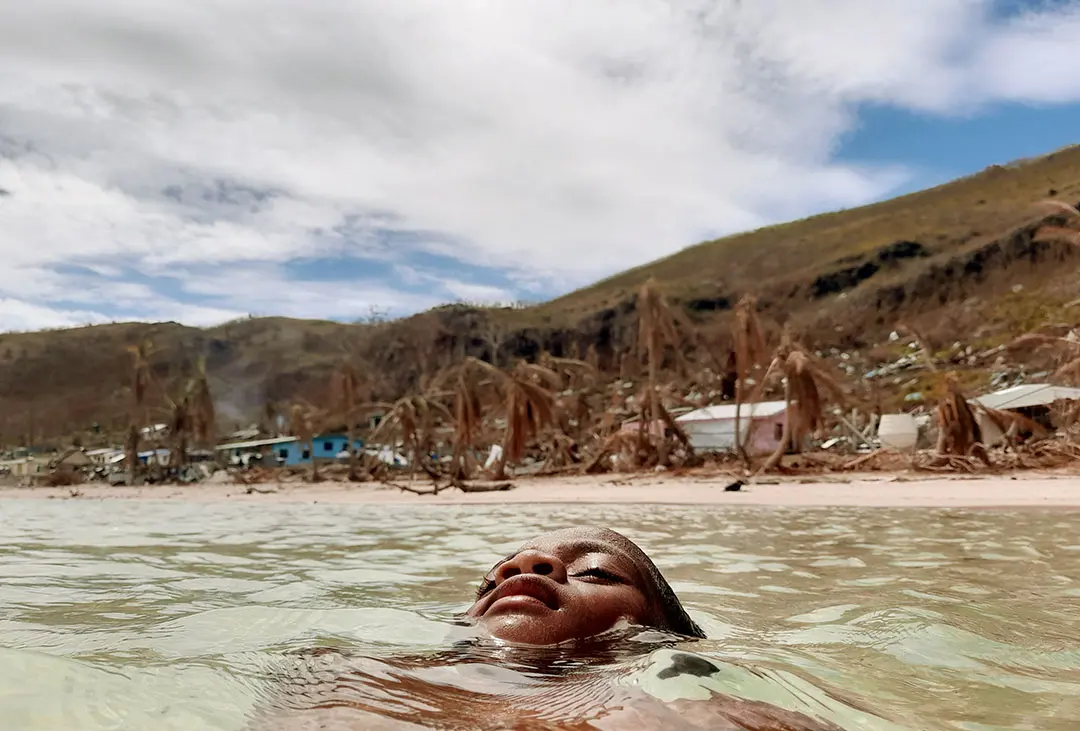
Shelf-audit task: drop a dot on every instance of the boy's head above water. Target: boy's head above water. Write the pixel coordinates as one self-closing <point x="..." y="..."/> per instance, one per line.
<point x="573" y="584"/>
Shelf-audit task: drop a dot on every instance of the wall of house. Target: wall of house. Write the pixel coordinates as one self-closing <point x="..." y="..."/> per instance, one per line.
<point x="27" y="466"/>
<point x="718" y="435"/>
<point x="269" y="451"/>
<point x="327" y="447"/>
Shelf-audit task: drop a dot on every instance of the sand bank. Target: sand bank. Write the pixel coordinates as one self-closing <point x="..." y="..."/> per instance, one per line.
<point x="1030" y="490"/>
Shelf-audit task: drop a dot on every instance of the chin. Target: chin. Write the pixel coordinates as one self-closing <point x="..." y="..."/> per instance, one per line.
<point x="524" y="631"/>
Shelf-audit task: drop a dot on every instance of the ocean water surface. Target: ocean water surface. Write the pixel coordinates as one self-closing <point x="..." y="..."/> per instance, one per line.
<point x="169" y="615"/>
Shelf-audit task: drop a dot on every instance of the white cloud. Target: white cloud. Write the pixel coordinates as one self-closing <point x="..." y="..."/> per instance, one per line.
<point x="18" y="315"/>
<point x="477" y="293"/>
<point x="556" y="140"/>
<point x="267" y="290"/>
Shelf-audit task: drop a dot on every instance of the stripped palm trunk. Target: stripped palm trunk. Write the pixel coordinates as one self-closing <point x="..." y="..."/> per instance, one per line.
<point x="656" y="330"/>
<point x="749" y="352"/>
<point x="132" y="449"/>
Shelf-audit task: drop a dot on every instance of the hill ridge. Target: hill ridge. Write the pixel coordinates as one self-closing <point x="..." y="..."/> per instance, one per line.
<point x="959" y="259"/>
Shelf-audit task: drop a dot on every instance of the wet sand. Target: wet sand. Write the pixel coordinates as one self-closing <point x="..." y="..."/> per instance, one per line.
<point x="1019" y="490"/>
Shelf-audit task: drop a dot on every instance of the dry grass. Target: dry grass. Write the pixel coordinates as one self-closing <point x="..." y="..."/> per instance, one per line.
<point x="981" y="205"/>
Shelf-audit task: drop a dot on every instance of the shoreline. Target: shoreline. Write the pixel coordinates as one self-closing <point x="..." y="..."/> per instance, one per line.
<point x="1044" y="489"/>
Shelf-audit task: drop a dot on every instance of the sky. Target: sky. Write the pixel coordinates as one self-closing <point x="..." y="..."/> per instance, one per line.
<point x="341" y="159"/>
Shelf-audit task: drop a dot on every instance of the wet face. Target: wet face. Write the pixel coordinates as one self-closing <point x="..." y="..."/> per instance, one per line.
<point x="561" y="586"/>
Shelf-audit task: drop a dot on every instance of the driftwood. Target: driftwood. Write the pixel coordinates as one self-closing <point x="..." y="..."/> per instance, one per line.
<point x="408" y="488"/>
<point x="496" y="487"/>
<point x="251" y="488"/>
<point x="864" y="459"/>
<point x="464" y="487"/>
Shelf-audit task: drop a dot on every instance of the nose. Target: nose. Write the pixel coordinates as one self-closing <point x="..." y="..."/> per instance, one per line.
<point x="532" y="562"/>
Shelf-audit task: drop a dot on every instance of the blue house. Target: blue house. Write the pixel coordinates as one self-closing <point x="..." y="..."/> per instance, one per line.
<point x="289" y="450"/>
<point x="327" y="447"/>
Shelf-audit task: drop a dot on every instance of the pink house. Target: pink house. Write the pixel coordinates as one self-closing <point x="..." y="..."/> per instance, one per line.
<point x="712" y="429"/>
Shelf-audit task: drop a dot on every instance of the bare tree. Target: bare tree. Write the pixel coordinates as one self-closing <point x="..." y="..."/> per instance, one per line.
<point x="141" y="376"/>
<point x="750" y="353"/>
<point x="493" y="333"/>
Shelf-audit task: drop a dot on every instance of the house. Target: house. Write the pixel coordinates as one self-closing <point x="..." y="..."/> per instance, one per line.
<point x="154" y="456"/>
<point x="154" y="431"/>
<point x="331" y="446"/>
<point x="287" y="450"/>
<point x="712" y="429"/>
<point x="24" y="467"/>
<point x="74" y="458"/>
<point x="1036" y="401"/>
<point x="245" y="435"/>
<point x="101" y="456"/>
<point x="270" y="451"/>
<point x="658" y="427"/>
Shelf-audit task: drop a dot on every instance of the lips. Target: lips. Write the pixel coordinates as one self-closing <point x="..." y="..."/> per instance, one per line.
<point x="525" y="586"/>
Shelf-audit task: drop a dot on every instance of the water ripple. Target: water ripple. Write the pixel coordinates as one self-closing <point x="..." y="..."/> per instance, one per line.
<point x="161" y="615"/>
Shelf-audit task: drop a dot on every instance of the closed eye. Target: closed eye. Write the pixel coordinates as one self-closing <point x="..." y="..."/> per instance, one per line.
<point x="600" y="573"/>
<point x="484" y="588"/>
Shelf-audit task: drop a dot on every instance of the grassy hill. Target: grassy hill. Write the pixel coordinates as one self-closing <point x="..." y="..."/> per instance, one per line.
<point x="958" y="261"/>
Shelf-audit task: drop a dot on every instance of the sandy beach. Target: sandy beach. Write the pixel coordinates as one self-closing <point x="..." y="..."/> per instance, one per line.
<point x="1019" y="490"/>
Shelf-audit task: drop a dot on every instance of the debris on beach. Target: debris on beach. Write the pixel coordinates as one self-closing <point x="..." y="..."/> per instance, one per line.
<point x="739" y="401"/>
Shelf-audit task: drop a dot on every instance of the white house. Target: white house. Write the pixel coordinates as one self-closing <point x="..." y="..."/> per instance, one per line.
<point x="1033" y="400"/>
<point x="713" y="427"/>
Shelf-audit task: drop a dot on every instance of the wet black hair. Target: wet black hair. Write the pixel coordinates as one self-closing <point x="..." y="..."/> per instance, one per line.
<point x="671" y="617"/>
<point x="674" y="616"/>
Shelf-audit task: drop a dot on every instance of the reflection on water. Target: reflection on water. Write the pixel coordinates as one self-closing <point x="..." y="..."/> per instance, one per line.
<point x="144" y="615"/>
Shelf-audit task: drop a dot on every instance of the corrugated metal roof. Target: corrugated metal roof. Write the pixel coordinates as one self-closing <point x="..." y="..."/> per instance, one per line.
<point x="724" y="412"/>
<point x="1028" y="394"/>
<point x="256" y="443"/>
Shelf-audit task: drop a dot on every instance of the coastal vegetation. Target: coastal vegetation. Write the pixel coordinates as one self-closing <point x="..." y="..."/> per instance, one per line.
<point x="973" y="278"/>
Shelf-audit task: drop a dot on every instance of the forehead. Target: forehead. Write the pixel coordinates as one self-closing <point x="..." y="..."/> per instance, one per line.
<point x="577" y="542"/>
<point x="573" y="546"/>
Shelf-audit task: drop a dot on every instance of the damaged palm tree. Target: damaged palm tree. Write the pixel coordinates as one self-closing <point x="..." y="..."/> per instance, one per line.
<point x="203" y="415"/>
<point x="413" y="423"/>
<point x="529" y="397"/>
<point x="468" y="425"/>
<point x="577" y="410"/>
<point x="346" y="386"/>
<point x="179" y="422"/>
<point x="804" y="380"/>
<point x="523" y="397"/>
<point x="581" y="397"/>
<point x="958" y="429"/>
<point x="305" y="421"/>
<point x="657" y="331"/>
<point x="749" y="354"/>
<point x="141" y="376"/>
<point x="191" y="417"/>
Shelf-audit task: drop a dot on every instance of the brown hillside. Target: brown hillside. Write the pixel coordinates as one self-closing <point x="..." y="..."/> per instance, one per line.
<point x="959" y="261"/>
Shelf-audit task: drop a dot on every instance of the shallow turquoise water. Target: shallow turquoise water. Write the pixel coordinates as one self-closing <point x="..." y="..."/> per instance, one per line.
<point x="166" y="615"/>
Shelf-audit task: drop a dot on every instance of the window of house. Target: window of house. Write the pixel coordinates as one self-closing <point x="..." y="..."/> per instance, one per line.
<point x="283" y="453"/>
<point x="778" y="430"/>
<point x="306" y="454"/>
<point x="328" y="446"/>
